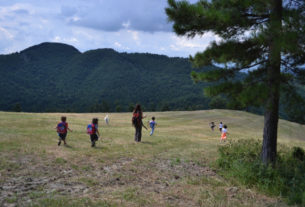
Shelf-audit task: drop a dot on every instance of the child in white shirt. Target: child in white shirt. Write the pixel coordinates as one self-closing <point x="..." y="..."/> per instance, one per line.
<point x="220" y="126"/>
<point x="224" y="133"/>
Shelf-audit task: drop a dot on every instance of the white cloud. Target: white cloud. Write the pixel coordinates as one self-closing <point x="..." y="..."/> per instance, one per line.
<point x="132" y="26"/>
<point x="126" y="24"/>
<point x="135" y="36"/>
<point x="141" y="15"/>
<point x="56" y="39"/>
<point x="116" y="44"/>
<point x="120" y="47"/>
<point x="5" y="34"/>
<point x="192" y="45"/>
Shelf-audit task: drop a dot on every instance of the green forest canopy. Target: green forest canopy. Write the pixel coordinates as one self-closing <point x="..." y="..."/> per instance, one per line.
<point x="54" y="77"/>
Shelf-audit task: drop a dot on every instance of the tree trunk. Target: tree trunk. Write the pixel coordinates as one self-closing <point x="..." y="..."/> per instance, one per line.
<point x="273" y="83"/>
<point x="270" y="130"/>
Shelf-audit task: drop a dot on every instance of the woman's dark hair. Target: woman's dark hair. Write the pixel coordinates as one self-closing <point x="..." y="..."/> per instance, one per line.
<point x="95" y="121"/>
<point x="225" y="126"/>
<point x="153" y="118"/>
<point x="63" y="118"/>
<point x="137" y="108"/>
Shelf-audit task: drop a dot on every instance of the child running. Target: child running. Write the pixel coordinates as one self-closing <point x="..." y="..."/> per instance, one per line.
<point x="152" y="125"/>
<point x="107" y="119"/>
<point x="220" y="126"/>
<point x="212" y="125"/>
<point x="224" y="133"/>
<point x="62" y="130"/>
<point x="92" y="130"/>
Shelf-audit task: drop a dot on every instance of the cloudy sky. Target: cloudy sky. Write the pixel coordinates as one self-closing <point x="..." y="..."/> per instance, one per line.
<point x="124" y="25"/>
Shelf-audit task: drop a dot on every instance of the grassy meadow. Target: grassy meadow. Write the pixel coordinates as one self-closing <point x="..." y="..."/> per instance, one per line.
<point x="174" y="167"/>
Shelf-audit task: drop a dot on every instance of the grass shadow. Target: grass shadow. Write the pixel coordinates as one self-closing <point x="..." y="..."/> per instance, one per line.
<point x="147" y="142"/>
<point x="98" y="147"/>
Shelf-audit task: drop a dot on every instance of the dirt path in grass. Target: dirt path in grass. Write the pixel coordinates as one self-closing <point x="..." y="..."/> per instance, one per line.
<point x="124" y="182"/>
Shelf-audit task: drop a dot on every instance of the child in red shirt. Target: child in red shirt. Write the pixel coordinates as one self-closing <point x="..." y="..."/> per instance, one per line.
<point x="92" y="130"/>
<point x="62" y="130"/>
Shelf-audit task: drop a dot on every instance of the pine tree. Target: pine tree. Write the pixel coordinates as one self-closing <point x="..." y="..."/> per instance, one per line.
<point x="264" y="38"/>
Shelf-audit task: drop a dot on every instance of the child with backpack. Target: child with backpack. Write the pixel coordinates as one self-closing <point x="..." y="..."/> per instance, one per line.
<point x="62" y="130"/>
<point x="92" y="130"/>
<point x="152" y="125"/>
<point x="224" y="133"/>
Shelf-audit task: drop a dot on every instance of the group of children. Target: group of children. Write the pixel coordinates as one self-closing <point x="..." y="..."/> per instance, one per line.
<point x="92" y="129"/>
<point x="222" y="129"/>
<point x="63" y="127"/>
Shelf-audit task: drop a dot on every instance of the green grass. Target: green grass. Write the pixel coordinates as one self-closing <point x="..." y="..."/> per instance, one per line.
<point x="166" y="169"/>
<point x="60" y="161"/>
<point x="240" y="160"/>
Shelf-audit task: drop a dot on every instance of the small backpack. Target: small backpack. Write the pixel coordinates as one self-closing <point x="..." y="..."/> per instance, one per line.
<point x="136" y="119"/>
<point x="91" y="129"/>
<point x="61" y="128"/>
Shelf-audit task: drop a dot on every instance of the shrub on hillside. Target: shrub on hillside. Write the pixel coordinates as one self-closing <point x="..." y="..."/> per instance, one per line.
<point x="241" y="160"/>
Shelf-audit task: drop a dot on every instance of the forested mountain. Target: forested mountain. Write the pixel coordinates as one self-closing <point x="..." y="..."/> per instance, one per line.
<point x="57" y="77"/>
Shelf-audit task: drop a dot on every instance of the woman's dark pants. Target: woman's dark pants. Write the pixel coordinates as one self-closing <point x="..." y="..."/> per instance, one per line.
<point x="138" y="134"/>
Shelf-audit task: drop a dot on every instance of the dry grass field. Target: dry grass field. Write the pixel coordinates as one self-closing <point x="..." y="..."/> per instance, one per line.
<point x="174" y="167"/>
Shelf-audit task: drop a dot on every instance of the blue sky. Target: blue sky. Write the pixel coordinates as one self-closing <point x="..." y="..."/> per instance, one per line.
<point x="124" y="25"/>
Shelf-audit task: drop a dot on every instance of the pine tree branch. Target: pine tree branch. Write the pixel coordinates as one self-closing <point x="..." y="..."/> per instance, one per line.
<point x="257" y="16"/>
<point x="250" y="66"/>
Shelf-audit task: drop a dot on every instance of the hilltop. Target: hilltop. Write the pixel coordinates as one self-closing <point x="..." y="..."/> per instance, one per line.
<point x="57" y="77"/>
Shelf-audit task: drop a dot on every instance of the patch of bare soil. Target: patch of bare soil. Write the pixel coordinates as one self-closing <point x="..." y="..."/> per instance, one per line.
<point x="160" y="180"/>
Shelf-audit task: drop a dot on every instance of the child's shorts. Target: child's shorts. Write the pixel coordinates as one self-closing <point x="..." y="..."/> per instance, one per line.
<point x="62" y="136"/>
<point x="93" y="137"/>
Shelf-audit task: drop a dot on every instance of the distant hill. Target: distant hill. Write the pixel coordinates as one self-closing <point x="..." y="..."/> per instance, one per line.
<point x="57" y="77"/>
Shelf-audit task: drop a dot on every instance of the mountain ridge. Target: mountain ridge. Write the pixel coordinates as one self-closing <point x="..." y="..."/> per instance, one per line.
<point x="58" y="77"/>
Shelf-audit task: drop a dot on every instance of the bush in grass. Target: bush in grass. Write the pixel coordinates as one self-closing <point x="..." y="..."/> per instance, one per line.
<point x="241" y="160"/>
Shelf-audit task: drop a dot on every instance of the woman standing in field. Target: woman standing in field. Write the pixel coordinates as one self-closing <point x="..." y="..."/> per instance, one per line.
<point x="137" y="117"/>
